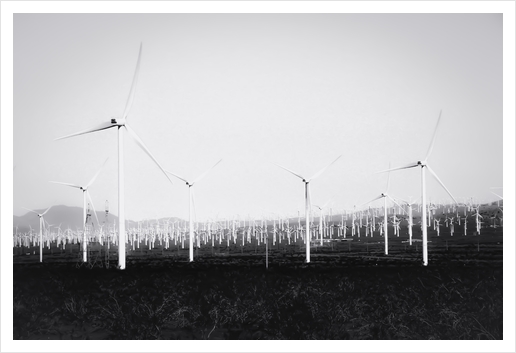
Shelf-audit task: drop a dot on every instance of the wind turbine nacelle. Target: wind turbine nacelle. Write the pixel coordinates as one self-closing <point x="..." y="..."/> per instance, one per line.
<point x="119" y="122"/>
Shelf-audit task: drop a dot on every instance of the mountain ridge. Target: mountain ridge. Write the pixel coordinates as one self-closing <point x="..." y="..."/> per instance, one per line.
<point x="71" y="217"/>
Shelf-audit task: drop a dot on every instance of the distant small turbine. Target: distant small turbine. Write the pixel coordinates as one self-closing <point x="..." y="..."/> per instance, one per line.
<point x="85" y="195"/>
<point x="307" y="201"/>
<point x="191" y="202"/>
<point x="410" y="219"/>
<point x="321" y="208"/>
<point x="385" y="196"/>
<point x="41" y="225"/>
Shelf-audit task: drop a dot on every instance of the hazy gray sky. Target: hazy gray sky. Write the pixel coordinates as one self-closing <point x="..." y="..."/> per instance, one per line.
<point x="256" y="89"/>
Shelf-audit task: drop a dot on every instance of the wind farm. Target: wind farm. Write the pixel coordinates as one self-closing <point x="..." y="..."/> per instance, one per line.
<point x="370" y="249"/>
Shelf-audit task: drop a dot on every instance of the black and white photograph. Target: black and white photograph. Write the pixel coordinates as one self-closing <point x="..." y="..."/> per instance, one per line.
<point x="310" y="176"/>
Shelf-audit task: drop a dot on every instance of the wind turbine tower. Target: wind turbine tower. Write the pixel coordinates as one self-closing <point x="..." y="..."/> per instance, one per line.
<point x="423" y="164"/>
<point x="191" y="204"/>
<point x="121" y="124"/>
<point x="41" y="226"/>
<point x="307" y="202"/>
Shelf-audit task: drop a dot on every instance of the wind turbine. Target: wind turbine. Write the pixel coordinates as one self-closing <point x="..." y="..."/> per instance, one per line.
<point x="191" y="202"/>
<point x="85" y="196"/>
<point x="477" y="216"/>
<point x="424" y="166"/>
<point x="120" y="123"/>
<point x="321" y="231"/>
<point x="41" y="225"/>
<point x="385" y="196"/>
<point x="307" y="202"/>
<point x="410" y="218"/>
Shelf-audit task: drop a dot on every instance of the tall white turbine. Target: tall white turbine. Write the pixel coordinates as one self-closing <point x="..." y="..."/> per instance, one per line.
<point x="85" y="196"/>
<point x="41" y="225"/>
<point x="424" y="165"/>
<point x="121" y="123"/>
<point x="191" y="204"/>
<point x="307" y="202"/>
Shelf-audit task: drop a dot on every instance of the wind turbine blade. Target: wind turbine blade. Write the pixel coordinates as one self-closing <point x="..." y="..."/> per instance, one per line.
<point x="67" y="184"/>
<point x="405" y="201"/>
<point x="497" y="195"/>
<point x="145" y="149"/>
<point x="133" y="85"/>
<point x="440" y="182"/>
<point x="46" y="211"/>
<point x="396" y="203"/>
<point x="93" y="206"/>
<point x="206" y="172"/>
<point x="326" y="204"/>
<point x="177" y="176"/>
<point x="411" y="165"/>
<point x="376" y="198"/>
<point x="28" y="209"/>
<point x="388" y="178"/>
<point x="97" y="174"/>
<point x="433" y="137"/>
<point x="288" y="170"/>
<point x="102" y="126"/>
<point x="316" y="175"/>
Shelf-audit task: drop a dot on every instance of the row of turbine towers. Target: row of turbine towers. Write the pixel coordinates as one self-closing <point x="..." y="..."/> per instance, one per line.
<point x="177" y="231"/>
<point x="122" y="126"/>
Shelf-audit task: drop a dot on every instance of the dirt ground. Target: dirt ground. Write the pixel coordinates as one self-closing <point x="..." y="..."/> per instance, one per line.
<point x="350" y="290"/>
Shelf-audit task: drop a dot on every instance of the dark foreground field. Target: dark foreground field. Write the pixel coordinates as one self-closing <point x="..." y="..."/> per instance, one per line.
<point x="350" y="293"/>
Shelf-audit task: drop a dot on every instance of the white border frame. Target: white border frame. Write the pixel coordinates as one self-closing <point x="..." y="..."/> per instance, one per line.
<point x="8" y="8"/>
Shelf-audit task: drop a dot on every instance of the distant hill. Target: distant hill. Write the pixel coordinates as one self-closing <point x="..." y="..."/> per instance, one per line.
<point x="70" y="217"/>
<point x="66" y="216"/>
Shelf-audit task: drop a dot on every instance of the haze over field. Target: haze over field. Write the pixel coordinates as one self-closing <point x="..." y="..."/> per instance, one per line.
<point x="256" y="89"/>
